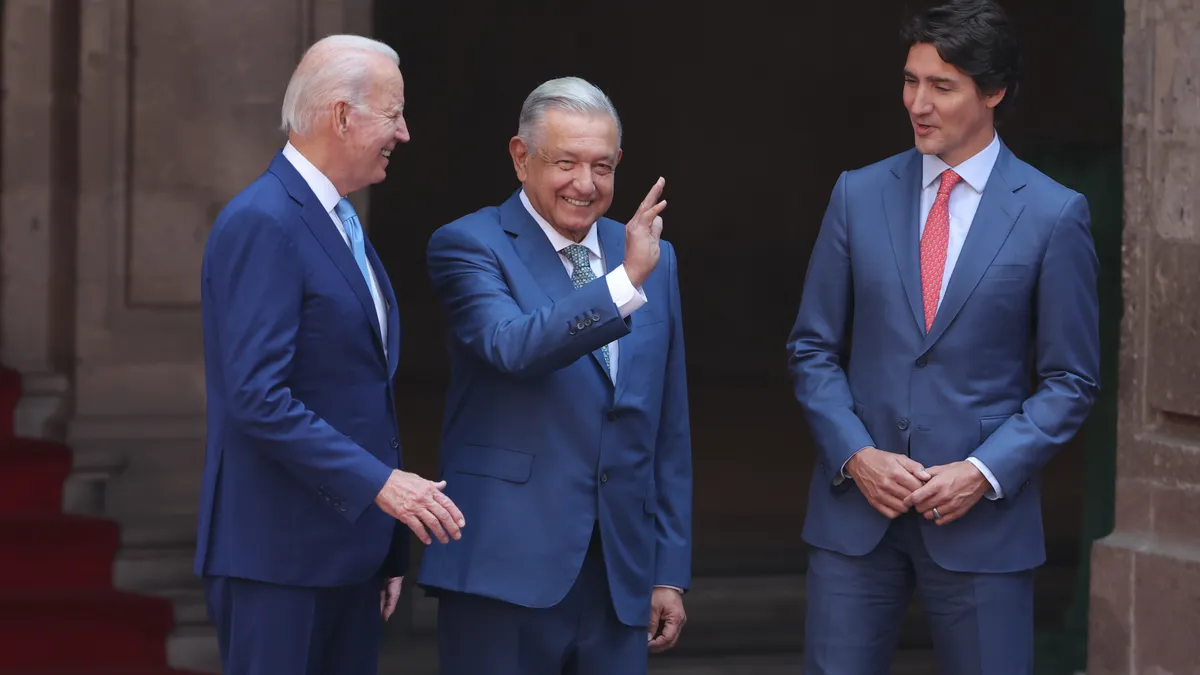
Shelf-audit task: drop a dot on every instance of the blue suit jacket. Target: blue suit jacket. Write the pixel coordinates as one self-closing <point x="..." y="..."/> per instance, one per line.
<point x="302" y="431"/>
<point x="1006" y="374"/>
<point x="537" y="443"/>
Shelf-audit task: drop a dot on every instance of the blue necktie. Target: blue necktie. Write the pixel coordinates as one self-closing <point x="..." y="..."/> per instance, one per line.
<point x="345" y="211"/>
<point x="582" y="273"/>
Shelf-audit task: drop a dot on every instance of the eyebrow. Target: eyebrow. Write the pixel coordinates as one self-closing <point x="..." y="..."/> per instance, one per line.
<point x="936" y="79"/>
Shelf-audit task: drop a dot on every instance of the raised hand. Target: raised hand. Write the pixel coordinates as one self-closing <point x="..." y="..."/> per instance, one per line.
<point x="421" y="504"/>
<point x="642" y="234"/>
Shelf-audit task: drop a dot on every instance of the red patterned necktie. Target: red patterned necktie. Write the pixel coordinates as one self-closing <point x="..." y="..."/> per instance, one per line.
<point x="933" y="246"/>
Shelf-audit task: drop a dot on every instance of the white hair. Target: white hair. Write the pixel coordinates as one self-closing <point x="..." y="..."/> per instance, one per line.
<point x="335" y="68"/>
<point x="569" y="94"/>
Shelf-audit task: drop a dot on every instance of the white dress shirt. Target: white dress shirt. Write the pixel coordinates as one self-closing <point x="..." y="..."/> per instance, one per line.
<point x="964" y="202"/>
<point x="624" y="295"/>
<point x="328" y="195"/>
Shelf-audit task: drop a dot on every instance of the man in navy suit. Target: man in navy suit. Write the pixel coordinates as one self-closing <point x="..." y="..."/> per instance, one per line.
<point x="298" y="543"/>
<point x="566" y="437"/>
<point x="945" y="348"/>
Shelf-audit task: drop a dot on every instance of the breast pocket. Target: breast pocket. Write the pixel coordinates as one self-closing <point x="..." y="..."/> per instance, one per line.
<point x="1005" y="279"/>
<point x="513" y="466"/>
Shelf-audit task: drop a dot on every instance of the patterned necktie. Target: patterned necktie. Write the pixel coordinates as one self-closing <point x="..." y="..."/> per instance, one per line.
<point x="581" y="265"/>
<point x="345" y="211"/>
<point x="933" y="246"/>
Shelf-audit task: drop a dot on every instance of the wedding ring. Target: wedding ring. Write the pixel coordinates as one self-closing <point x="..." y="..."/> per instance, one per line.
<point x="936" y="515"/>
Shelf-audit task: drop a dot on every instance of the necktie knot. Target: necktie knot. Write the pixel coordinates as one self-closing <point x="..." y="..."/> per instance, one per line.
<point x="578" y="255"/>
<point x="949" y="180"/>
<point x="345" y="210"/>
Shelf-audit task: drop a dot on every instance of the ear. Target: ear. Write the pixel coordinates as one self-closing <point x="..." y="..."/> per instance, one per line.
<point x="617" y="161"/>
<point x="993" y="99"/>
<point x="341" y="118"/>
<point x="520" y="157"/>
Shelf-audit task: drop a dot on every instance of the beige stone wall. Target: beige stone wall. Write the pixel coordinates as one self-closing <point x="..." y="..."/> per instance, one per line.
<point x="127" y="125"/>
<point x="1145" y="608"/>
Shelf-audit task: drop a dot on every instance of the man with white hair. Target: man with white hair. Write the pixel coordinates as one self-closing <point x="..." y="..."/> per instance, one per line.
<point x="566" y="439"/>
<point x="300" y="542"/>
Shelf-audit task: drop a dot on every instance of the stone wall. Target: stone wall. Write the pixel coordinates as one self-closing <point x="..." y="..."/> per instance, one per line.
<point x="1145" y="609"/>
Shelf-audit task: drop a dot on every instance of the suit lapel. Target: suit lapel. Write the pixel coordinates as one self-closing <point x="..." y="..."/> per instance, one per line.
<point x="325" y="232"/>
<point x="536" y="251"/>
<point x="902" y="208"/>
<point x="998" y="211"/>
<point x="392" y="312"/>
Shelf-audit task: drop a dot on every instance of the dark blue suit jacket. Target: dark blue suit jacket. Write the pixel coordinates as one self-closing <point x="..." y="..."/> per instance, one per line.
<point x="302" y="430"/>
<point x="538" y="444"/>
<point x="1007" y="373"/>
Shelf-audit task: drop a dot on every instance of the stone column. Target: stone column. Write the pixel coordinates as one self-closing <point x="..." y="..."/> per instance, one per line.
<point x="1145" y="608"/>
<point x="37" y="264"/>
<point x="181" y="111"/>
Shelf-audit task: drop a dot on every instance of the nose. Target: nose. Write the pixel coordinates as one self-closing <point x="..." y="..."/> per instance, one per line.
<point x="402" y="135"/>
<point x="585" y="181"/>
<point x="921" y="103"/>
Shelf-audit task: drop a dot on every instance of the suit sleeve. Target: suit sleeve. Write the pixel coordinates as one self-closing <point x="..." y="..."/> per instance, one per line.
<point x="1068" y="356"/>
<point x="482" y="314"/>
<point x="673" y="455"/>
<point x="257" y="287"/>
<point x="819" y="342"/>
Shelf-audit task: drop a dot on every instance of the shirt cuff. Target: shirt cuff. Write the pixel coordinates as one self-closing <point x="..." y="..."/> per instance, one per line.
<point x="842" y="475"/>
<point x="624" y="295"/>
<point x="995" y="493"/>
<point x="674" y="588"/>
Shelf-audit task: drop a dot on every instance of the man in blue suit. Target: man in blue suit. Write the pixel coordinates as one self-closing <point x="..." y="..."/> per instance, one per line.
<point x="298" y="543"/>
<point x="566" y="437"/>
<point x="945" y="348"/>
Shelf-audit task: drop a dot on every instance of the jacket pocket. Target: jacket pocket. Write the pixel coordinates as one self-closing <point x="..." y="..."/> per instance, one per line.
<point x="513" y="466"/>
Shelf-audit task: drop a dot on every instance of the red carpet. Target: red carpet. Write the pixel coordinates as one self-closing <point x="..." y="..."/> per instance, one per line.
<point x="59" y="614"/>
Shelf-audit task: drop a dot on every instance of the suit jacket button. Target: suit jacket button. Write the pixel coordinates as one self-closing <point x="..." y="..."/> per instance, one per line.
<point x="902" y="425"/>
<point x="595" y="317"/>
<point x="579" y="325"/>
<point x="612" y="416"/>
<point x="395" y="444"/>
<point x="604" y="478"/>
<point x="921" y="362"/>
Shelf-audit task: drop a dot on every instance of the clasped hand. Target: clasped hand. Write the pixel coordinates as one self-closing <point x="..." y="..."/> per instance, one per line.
<point x="894" y="483"/>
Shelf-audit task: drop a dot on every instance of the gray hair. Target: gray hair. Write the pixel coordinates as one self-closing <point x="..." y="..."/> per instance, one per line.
<point x="569" y="94"/>
<point x="335" y="68"/>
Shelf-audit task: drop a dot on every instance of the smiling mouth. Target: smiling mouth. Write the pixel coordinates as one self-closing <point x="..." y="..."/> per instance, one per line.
<point x="577" y="202"/>
<point x="387" y="153"/>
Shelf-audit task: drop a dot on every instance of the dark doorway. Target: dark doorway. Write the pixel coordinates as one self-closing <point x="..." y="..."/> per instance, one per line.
<point x="750" y="113"/>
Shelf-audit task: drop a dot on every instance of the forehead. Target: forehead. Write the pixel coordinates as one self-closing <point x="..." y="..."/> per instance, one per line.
<point x="387" y="84"/>
<point x="925" y="62"/>
<point x="564" y="131"/>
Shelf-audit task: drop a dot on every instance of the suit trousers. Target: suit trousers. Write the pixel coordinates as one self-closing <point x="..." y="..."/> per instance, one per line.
<point x="982" y="624"/>
<point x="268" y="629"/>
<point x="580" y="635"/>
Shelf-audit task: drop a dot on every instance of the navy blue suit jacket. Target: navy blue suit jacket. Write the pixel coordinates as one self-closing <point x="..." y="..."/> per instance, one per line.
<point x="302" y="431"/>
<point x="1006" y="374"/>
<point x="538" y="444"/>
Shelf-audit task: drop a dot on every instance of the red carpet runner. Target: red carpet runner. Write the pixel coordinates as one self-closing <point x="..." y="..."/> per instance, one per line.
<point x="59" y="614"/>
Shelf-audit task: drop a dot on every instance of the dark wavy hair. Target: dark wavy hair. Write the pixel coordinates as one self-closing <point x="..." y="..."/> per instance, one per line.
<point x="974" y="36"/>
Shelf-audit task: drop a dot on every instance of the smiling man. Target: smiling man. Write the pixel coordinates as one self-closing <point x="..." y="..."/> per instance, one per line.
<point x="566" y="440"/>
<point x="963" y="283"/>
<point x="304" y="511"/>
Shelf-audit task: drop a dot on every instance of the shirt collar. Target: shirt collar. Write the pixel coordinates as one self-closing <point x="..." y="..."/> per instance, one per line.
<point x="591" y="241"/>
<point x="321" y="186"/>
<point x="974" y="172"/>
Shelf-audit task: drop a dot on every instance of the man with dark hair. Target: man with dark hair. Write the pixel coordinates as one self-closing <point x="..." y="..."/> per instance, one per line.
<point x="950" y="272"/>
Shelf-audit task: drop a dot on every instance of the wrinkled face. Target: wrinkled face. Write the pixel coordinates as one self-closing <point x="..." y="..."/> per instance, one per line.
<point x="951" y="118"/>
<point x="372" y="130"/>
<point x="568" y="175"/>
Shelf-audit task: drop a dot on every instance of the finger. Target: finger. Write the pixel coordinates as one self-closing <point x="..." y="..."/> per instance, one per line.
<point x="670" y="634"/>
<point x="653" y="212"/>
<point x="434" y="526"/>
<point x="393" y="598"/>
<point x="921" y="496"/>
<point x="914" y="468"/>
<point x="652" y="627"/>
<point x="656" y="226"/>
<point x="904" y="483"/>
<point x="383" y="603"/>
<point x="444" y="517"/>
<point x="948" y="518"/>
<point x="653" y="195"/>
<point x="418" y="529"/>
<point x="887" y="508"/>
<point x="448" y="504"/>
